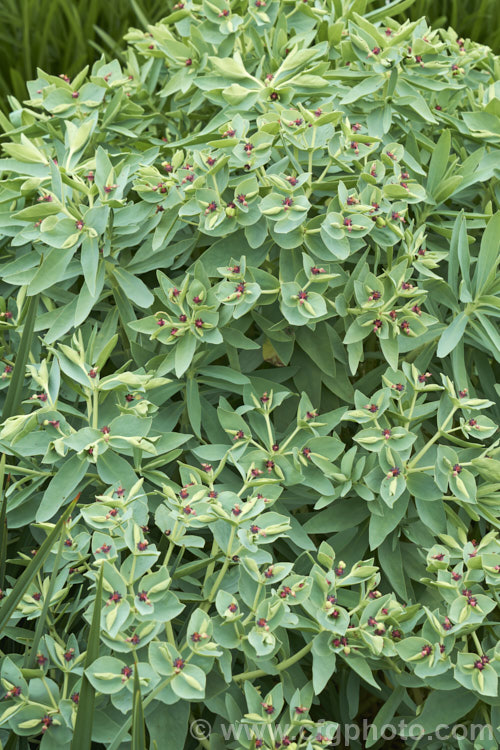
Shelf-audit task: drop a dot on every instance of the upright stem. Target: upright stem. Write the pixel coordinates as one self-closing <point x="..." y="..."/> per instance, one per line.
<point x="269" y="431"/>
<point x="280" y="667"/>
<point x="433" y="439"/>
<point x="206" y="605"/>
<point x="290" y="438"/>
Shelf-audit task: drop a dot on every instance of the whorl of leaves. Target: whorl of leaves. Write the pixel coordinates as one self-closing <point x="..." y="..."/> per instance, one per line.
<point x="249" y="320"/>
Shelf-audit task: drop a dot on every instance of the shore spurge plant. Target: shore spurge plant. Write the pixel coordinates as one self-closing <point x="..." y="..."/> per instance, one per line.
<point x="250" y="353"/>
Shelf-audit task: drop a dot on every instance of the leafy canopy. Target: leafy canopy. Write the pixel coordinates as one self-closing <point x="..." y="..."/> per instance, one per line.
<point x="249" y="330"/>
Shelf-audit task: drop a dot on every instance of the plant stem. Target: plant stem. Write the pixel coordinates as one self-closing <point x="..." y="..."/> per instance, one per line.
<point x="206" y="605"/>
<point x="433" y="439"/>
<point x="280" y="667"/>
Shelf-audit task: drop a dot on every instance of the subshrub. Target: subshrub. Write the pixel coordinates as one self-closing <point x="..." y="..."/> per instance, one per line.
<point x="249" y="332"/>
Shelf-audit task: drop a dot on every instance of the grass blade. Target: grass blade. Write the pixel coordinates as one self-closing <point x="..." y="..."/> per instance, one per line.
<point x="3" y="523"/>
<point x="30" y="656"/>
<point x="11" y="743"/>
<point x="397" y="6"/>
<point x="82" y="736"/>
<point x="33" y="567"/>
<point x="138" y="726"/>
<point x="13" y="397"/>
<point x="140" y="15"/>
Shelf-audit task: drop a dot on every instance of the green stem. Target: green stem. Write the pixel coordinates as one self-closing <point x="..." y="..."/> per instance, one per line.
<point x="211" y="566"/>
<point x="95" y="408"/>
<point x="222" y="572"/>
<point x="290" y="438"/>
<point x="254" y="604"/>
<point x="433" y="439"/>
<point x="170" y="633"/>
<point x="280" y="667"/>
<point x="412" y="407"/>
<point x="477" y="642"/>
<point x="269" y="431"/>
<point x="51" y="697"/>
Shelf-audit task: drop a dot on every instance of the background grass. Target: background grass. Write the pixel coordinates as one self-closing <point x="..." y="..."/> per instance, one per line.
<point x="472" y="19"/>
<point x="62" y="36"/>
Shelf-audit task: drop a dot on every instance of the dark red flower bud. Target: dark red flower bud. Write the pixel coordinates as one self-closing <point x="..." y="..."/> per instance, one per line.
<point x="47" y="721"/>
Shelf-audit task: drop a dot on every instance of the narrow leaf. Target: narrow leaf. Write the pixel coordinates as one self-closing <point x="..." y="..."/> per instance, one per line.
<point x="138" y="726"/>
<point x="82" y="736"/>
<point x="33" y="567"/>
<point x="13" y="398"/>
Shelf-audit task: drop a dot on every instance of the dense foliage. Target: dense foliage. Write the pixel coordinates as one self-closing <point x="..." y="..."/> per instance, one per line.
<point x="64" y="35"/>
<point x="250" y="345"/>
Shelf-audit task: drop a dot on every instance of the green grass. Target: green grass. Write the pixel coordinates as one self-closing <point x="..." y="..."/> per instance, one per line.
<point x="62" y="36"/>
<point x="472" y="19"/>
